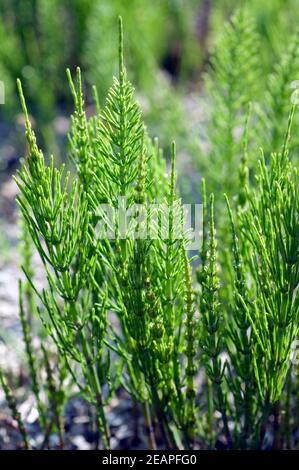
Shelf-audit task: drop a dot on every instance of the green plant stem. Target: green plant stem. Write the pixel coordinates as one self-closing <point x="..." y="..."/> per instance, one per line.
<point x="11" y="401"/>
<point x="222" y="408"/>
<point x="190" y="353"/>
<point x="31" y="359"/>
<point x="96" y="387"/>
<point x="210" y="414"/>
<point x="287" y="416"/>
<point x="149" y="427"/>
<point x="53" y="399"/>
<point x="262" y="427"/>
<point x="277" y="426"/>
<point x="162" y="420"/>
<point x="47" y="433"/>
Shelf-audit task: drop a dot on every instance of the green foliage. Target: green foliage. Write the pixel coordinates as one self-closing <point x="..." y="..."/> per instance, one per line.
<point x="122" y="308"/>
<point x="62" y="222"/>
<point x="144" y="48"/>
<point x="55" y="389"/>
<point x="141" y="281"/>
<point x="279" y="92"/>
<point x="231" y="85"/>
<point x="41" y="38"/>
<point x="247" y="109"/>
<point x="174" y="26"/>
<point x="271" y="227"/>
<point x="7" y="67"/>
<point x="13" y="408"/>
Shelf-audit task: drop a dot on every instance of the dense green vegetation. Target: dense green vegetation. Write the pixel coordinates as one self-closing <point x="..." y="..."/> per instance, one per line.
<point x="204" y="344"/>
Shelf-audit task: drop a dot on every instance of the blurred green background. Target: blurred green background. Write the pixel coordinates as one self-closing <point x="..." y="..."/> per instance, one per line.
<point x="167" y="52"/>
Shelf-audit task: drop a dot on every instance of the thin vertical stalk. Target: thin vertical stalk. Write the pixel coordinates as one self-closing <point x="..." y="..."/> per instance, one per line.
<point x="55" y="406"/>
<point x="210" y="415"/>
<point x="12" y="404"/>
<point x="287" y="415"/>
<point x="97" y="390"/>
<point x="277" y="426"/>
<point x="31" y="359"/>
<point x="190" y="353"/>
<point x="149" y="427"/>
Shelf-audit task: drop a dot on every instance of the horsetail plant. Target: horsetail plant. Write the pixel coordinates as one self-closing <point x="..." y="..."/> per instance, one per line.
<point x="141" y="280"/>
<point x="144" y="276"/>
<point x="55" y="389"/>
<point x="61" y="221"/>
<point x="31" y="358"/>
<point x="263" y="318"/>
<point x="231" y="86"/>
<point x="240" y="346"/>
<point x="119" y="301"/>
<point x="273" y="259"/>
<point x="12" y="404"/>
<point x="212" y="329"/>
<point x="258" y="325"/>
